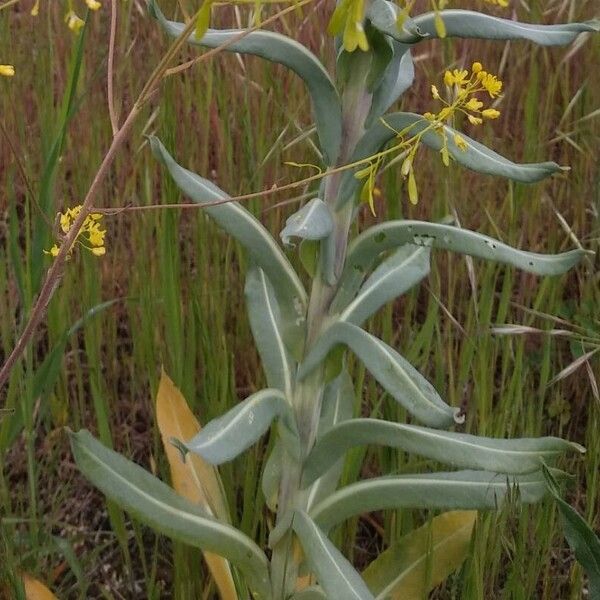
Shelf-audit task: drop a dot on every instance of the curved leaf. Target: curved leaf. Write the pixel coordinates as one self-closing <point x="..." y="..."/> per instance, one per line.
<point x="150" y="500"/>
<point x="476" y="157"/>
<point x="399" y="272"/>
<point x="267" y="329"/>
<point x="419" y="561"/>
<point x="365" y="248"/>
<point x="312" y="222"/>
<point x="337" y="407"/>
<point x="515" y="456"/>
<point x="248" y="231"/>
<point x="226" y="437"/>
<point x="471" y="24"/>
<point x="35" y="589"/>
<point x="397" y="78"/>
<point x="311" y="593"/>
<point x="334" y="573"/>
<point x="464" y="490"/>
<point x="394" y="373"/>
<point x="280" y="49"/>
<point x="192" y="477"/>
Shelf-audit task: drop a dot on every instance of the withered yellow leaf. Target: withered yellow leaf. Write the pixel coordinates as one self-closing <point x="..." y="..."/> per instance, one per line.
<point x="36" y="590"/>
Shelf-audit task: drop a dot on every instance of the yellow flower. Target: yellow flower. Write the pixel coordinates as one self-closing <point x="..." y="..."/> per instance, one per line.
<point x="90" y="235"/>
<point x="7" y="70"/>
<point x="429" y="116"/>
<point x="474" y="120"/>
<point x="35" y="11"/>
<point x="473" y="104"/>
<point x="53" y="251"/>
<point x="448" y="78"/>
<point x="460" y="77"/>
<point x="93" y="4"/>
<point x="491" y="113"/>
<point x="460" y="142"/>
<point x="477" y="67"/>
<point x="435" y="92"/>
<point x="74" y="22"/>
<point x="491" y="84"/>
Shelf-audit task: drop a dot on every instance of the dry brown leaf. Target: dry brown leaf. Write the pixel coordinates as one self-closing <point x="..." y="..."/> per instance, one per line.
<point x="194" y="479"/>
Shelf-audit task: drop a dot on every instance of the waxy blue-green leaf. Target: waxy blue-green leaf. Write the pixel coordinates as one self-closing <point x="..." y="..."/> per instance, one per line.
<point x="151" y="501"/>
<point x="280" y="49"/>
<point x="337" y="407"/>
<point x="248" y="231"/>
<point x="311" y="593"/>
<point x="312" y="222"/>
<point x="463" y="490"/>
<point x="267" y="329"/>
<point x="226" y="437"/>
<point x="365" y="248"/>
<point x="516" y="456"/>
<point x="476" y="157"/>
<point x="398" y="273"/>
<point x="397" y="78"/>
<point x="399" y="378"/>
<point x="471" y="24"/>
<point x="334" y="573"/>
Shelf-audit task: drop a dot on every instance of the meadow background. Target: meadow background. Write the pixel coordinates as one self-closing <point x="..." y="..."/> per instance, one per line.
<point x="169" y="290"/>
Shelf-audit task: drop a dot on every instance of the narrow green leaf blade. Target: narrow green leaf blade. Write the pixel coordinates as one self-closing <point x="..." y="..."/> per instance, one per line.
<point x="282" y="50"/>
<point x="516" y="456"/>
<point x="397" y="274"/>
<point x="267" y="329"/>
<point x="581" y="538"/>
<point x="226" y="437"/>
<point x="419" y="561"/>
<point x="334" y="573"/>
<point x="394" y="373"/>
<point x="151" y="501"/>
<point x="459" y="490"/>
<point x="365" y="248"/>
<point x="476" y="157"/>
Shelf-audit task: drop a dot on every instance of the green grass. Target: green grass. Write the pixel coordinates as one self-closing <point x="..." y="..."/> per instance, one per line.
<point x="178" y="284"/>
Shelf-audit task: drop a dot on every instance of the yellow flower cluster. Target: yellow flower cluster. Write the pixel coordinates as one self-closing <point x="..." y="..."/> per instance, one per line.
<point x="90" y="235"/>
<point x="347" y="21"/>
<point x="72" y="19"/>
<point x="7" y="70"/>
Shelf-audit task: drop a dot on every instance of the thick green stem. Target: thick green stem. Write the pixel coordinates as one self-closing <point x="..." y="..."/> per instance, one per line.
<point x="308" y="393"/>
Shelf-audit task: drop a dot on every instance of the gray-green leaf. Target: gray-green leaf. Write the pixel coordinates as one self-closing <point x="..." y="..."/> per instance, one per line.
<point x="151" y="501"/>
<point x="312" y="222"/>
<point x="265" y="322"/>
<point x="226" y="437"/>
<point x="471" y="24"/>
<point x="394" y="373"/>
<point x="466" y="490"/>
<point x="476" y="157"/>
<point x="516" y="456"/>
<point x="398" y="273"/>
<point x="337" y="407"/>
<point x="334" y="573"/>
<point x="248" y="231"/>
<point x="365" y="248"/>
<point x="280" y="49"/>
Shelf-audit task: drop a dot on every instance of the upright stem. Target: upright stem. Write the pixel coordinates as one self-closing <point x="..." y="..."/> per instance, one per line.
<point x="308" y="393"/>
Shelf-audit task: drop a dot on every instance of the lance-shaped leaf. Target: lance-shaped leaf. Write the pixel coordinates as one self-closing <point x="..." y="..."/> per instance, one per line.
<point x="399" y="378"/>
<point x="312" y="222"/>
<point x="334" y="573"/>
<point x="365" y="248"/>
<point x="584" y="543"/>
<point x="419" y="561"/>
<point x="476" y="157"/>
<point x="35" y="589"/>
<point x="460" y="490"/>
<point x="248" y="231"/>
<point x="226" y="437"/>
<point x="267" y="329"/>
<point x="397" y="78"/>
<point x="516" y="456"/>
<point x="192" y="477"/>
<point x="471" y="24"/>
<point x="280" y="49"/>
<point x="337" y="407"/>
<point x="399" y="272"/>
<point x="151" y="501"/>
<point x="311" y="593"/>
